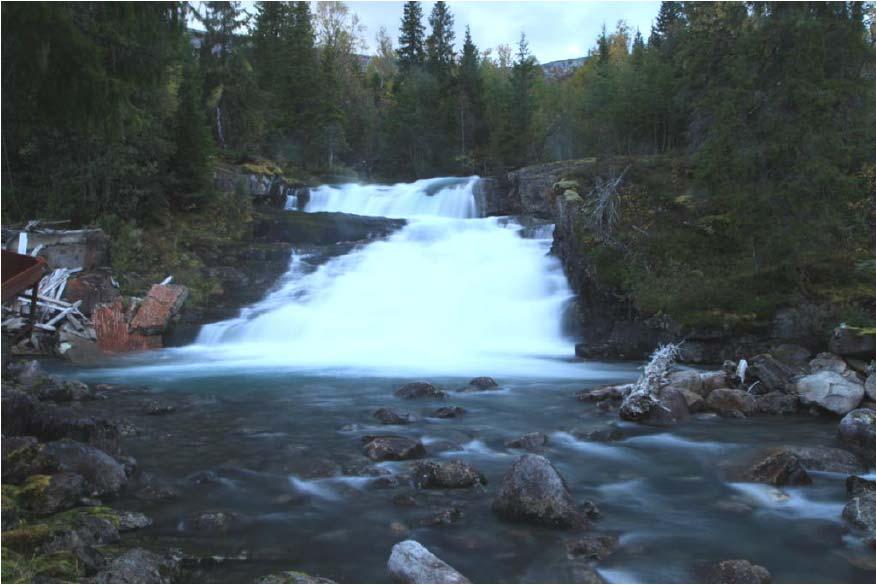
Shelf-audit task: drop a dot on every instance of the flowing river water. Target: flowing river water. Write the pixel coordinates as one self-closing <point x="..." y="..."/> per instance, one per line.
<point x="271" y="407"/>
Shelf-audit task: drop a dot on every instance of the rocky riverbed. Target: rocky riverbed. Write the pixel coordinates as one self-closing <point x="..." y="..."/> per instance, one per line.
<point x="284" y="478"/>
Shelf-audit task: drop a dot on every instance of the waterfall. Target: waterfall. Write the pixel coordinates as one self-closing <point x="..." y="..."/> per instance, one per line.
<point x="450" y="292"/>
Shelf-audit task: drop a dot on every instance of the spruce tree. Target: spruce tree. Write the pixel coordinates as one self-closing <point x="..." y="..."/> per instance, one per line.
<point x="472" y="127"/>
<point x="411" y="52"/>
<point x="439" y="44"/>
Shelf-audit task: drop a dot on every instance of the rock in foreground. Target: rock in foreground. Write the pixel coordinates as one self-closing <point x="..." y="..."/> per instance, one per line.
<point x="411" y="562"/>
<point x="533" y="491"/>
<point x="778" y="467"/>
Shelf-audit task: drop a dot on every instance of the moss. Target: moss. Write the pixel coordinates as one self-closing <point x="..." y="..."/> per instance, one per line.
<point x="566" y="185"/>
<point x="34" y="486"/>
<point x="572" y="197"/>
<point x="62" y="566"/>
<point x="28" y="537"/>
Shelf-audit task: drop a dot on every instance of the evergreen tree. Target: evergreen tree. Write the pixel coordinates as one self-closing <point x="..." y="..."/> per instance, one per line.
<point x="190" y="164"/>
<point x="439" y="44"/>
<point x="472" y="125"/>
<point x="411" y="52"/>
<point x="669" y="18"/>
<point x="521" y="110"/>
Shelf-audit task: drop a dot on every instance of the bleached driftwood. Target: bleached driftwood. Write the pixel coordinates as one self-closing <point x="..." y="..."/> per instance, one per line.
<point x="642" y="398"/>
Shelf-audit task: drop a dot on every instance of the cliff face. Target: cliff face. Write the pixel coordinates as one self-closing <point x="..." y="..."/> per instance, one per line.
<point x="645" y="278"/>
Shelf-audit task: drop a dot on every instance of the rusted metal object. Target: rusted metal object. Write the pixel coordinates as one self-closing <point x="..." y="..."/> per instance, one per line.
<point x="22" y="272"/>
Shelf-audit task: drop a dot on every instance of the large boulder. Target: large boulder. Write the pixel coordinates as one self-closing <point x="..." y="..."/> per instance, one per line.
<point x="772" y="375"/>
<point x="392" y="448"/>
<point x="533" y="491"/>
<point x="777" y="403"/>
<point x="778" y="467"/>
<point x="103" y="474"/>
<point x="419" y="390"/>
<point x="53" y="423"/>
<point x="830" y="391"/>
<point x="713" y="381"/>
<point x="736" y="571"/>
<point x="447" y="474"/>
<point x="411" y="562"/>
<point x="858" y="429"/>
<point x="828" y="459"/>
<point x="731" y="402"/>
<point x="870" y="387"/>
<point x="855" y="342"/>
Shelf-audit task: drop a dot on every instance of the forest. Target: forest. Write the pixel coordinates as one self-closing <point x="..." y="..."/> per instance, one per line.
<point x="119" y="112"/>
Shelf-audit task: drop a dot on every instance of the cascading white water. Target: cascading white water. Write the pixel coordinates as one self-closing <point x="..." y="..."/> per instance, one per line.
<point x="448" y="293"/>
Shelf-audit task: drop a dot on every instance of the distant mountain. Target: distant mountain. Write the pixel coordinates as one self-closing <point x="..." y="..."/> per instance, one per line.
<point x="562" y="68"/>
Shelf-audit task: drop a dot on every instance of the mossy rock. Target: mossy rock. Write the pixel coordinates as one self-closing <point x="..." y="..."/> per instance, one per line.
<point x="62" y="566"/>
<point x="10" y="506"/>
<point x="29" y="537"/>
<point x="566" y="185"/>
<point x="572" y="197"/>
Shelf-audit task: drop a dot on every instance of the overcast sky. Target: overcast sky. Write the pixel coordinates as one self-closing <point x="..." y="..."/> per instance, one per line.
<point x="555" y="30"/>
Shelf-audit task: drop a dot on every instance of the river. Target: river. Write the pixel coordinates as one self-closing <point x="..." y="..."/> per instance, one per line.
<point x="271" y="406"/>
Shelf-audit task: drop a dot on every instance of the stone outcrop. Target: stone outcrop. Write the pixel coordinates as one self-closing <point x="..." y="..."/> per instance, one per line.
<point x="854" y="342"/>
<point x="411" y="562"/>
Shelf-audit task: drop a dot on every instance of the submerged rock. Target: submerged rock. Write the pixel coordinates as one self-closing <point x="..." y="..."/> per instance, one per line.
<point x="419" y="390"/>
<point x="448" y="412"/>
<point x="443" y="517"/>
<point x="533" y="491"/>
<point x="856" y="486"/>
<point x="389" y="416"/>
<point x="730" y="402"/>
<point x="447" y="474"/>
<point x="592" y="547"/>
<point x="736" y="571"/>
<point x="830" y="391"/>
<point x="216" y="521"/>
<point x="858" y="429"/>
<point x="530" y="441"/>
<point x="392" y="448"/>
<point x="291" y="577"/>
<point x="480" y="384"/>
<point x="411" y="562"/>
<point x="778" y="467"/>
<point x="138" y="566"/>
